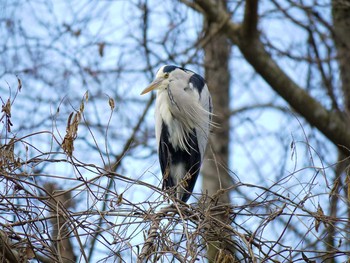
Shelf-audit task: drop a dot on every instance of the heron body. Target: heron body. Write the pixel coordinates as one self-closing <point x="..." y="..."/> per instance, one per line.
<point x="183" y="117"/>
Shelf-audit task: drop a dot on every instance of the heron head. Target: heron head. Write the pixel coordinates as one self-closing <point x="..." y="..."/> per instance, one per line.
<point x="162" y="79"/>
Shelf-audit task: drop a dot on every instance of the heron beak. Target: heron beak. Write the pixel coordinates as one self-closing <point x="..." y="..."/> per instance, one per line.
<point x="154" y="85"/>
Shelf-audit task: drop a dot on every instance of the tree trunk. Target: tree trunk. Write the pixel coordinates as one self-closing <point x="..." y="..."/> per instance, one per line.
<point x="341" y="23"/>
<point x="215" y="175"/>
<point x="341" y="36"/>
<point x="61" y="242"/>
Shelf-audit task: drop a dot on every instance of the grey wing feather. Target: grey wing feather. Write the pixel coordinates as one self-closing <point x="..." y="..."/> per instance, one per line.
<point x="158" y="128"/>
<point x="203" y="133"/>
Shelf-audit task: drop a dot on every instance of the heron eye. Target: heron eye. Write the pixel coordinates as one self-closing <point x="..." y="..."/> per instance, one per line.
<point x="166" y="75"/>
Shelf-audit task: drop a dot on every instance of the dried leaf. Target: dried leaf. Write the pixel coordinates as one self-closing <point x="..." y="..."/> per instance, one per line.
<point x="7" y="108"/>
<point x="69" y="121"/>
<point x="111" y="103"/>
<point x="67" y="145"/>
<point x="317" y="224"/>
<point x="9" y="151"/>
<point x="82" y="106"/>
<point x="120" y="199"/>
<point x="76" y="121"/>
<point x="101" y="48"/>
<point x="71" y="133"/>
<point x="320" y="210"/>
<point x="77" y="33"/>
<point x="334" y="189"/>
<point x="19" y="83"/>
<point x="18" y="163"/>
<point x="319" y="215"/>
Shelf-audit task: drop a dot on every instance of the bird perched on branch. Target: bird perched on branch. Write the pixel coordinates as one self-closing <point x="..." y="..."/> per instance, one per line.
<point x="183" y="118"/>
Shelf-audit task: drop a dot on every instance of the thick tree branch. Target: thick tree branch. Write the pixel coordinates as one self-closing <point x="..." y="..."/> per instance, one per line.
<point x="212" y="12"/>
<point x="250" y="20"/>
<point x="329" y="123"/>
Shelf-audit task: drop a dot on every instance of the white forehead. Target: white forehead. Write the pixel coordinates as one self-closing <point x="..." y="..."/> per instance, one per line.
<point x="160" y="71"/>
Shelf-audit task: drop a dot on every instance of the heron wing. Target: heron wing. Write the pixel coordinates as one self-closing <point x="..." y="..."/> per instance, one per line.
<point x="164" y="153"/>
<point x="203" y="132"/>
<point x="205" y="101"/>
<point x="180" y="168"/>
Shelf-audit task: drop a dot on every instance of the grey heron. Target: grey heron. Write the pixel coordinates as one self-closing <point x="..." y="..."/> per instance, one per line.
<point x="183" y="117"/>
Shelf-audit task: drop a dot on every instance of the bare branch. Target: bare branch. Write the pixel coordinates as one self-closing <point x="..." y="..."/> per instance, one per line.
<point x="250" y="20"/>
